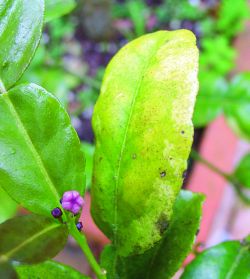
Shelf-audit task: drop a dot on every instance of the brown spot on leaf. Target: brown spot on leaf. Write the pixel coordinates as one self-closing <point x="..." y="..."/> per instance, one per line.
<point x="162" y="224"/>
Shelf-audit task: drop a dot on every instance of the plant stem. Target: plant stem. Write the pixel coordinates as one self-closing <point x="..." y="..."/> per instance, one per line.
<point x="82" y="241"/>
<point x="229" y="177"/>
<point x="196" y="156"/>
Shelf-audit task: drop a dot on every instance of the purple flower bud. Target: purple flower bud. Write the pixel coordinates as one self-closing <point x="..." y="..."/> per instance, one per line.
<point x="79" y="226"/>
<point x="56" y="212"/>
<point x="72" y="201"/>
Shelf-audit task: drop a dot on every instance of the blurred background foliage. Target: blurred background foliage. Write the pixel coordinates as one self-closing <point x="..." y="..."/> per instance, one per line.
<point x="80" y="38"/>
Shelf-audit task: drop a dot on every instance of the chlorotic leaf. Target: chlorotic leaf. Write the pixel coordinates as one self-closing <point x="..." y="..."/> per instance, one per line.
<point x="31" y="238"/>
<point x="40" y="153"/>
<point x="20" y="31"/>
<point x="48" y="270"/>
<point x="166" y="257"/>
<point x="143" y="128"/>
<point x="58" y="8"/>
<point x="227" y="260"/>
<point x="242" y="171"/>
<point x="8" y="207"/>
<point x="7" y="271"/>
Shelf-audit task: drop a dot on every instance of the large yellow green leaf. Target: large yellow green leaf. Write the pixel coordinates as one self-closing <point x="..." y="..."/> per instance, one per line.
<point x="143" y="128"/>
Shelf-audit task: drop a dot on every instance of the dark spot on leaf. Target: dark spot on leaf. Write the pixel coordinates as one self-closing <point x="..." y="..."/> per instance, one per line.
<point x="100" y="158"/>
<point x="170" y="158"/>
<point x="163" y="174"/>
<point x="182" y="132"/>
<point x="134" y="156"/>
<point x="162" y="224"/>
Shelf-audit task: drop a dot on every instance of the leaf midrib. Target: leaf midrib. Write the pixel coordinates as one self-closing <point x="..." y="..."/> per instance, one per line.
<point x="30" y="145"/>
<point x="117" y="175"/>
<point x="236" y="262"/>
<point x="9" y="254"/>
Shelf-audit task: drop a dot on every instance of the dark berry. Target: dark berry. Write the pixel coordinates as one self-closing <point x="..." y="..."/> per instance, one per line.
<point x="56" y="212"/>
<point x="79" y="226"/>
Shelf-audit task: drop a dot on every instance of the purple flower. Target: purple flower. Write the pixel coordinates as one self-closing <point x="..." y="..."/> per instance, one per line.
<point x="56" y="212"/>
<point x="79" y="226"/>
<point x="72" y="201"/>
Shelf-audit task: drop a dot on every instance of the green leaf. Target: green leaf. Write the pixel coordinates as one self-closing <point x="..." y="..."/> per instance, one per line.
<point x="232" y="16"/>
<point x="227" y="260"/>
<point x="242" y="171"/>
<point x="7" y="271"/>
<point x="58" y="8"/>
<point x="143" y="128"/>
<point x="166" y="257"/>
<point x="48" y="270"/>
<point x="40" y="153"/>
<point x="210" y="99"/>
<point x="20" y="31"/>
<point x="88" y="150"/>
<point x="237" y="109"/>
<point x="7" y="206"/>
<point x="31" y="238"/>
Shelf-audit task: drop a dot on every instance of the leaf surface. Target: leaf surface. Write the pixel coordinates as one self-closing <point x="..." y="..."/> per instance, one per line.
<point x="242" y="171"/>
<point x="143" y="128"/>
<point x="40" y="153"/>
<point x="7" y="206"/>
<point x="58" y="8"/>
<point x="210" y="100"/>
<point x="237" y="109"/>
<point x="31" y="238"/>
<point x="166" y="257"/>
<point x="20" y="31"/>
<point x="230" y="260"/>
<point x="48" y="270"/>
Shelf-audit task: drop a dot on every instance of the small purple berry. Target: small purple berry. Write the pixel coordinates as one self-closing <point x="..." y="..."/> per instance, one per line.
<point x="56" y="212"/>
<point x="79" y="226"/>
<point x="72" y="201"/>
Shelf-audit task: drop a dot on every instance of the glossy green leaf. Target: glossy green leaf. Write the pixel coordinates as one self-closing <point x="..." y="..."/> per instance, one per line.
<point x="7" y="271"/>
<point x="210" y="100"/>
<point x="40" y="153"/>
<point x="88" y="150"/>
<point x="143" y="128"/>
<point x="48" y="270"/>
<point x="31" y="238"/>
<point x="166" y="257"/>
<point x="58" y="8"/>
<point x="237" y="108"/>
<point x="242" y="171"/>
<point x="20" y="30"/>
<point x="7" y="206"/>
<point x="229" y="260"/>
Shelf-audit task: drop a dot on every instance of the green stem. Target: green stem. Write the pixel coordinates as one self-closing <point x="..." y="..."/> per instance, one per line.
<point x="82" y="241"/>
<point x="229" y="177"/>
<point x="197" y="157"/>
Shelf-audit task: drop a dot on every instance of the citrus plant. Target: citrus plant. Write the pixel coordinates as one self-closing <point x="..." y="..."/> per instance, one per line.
<point x="143" y="128"/>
